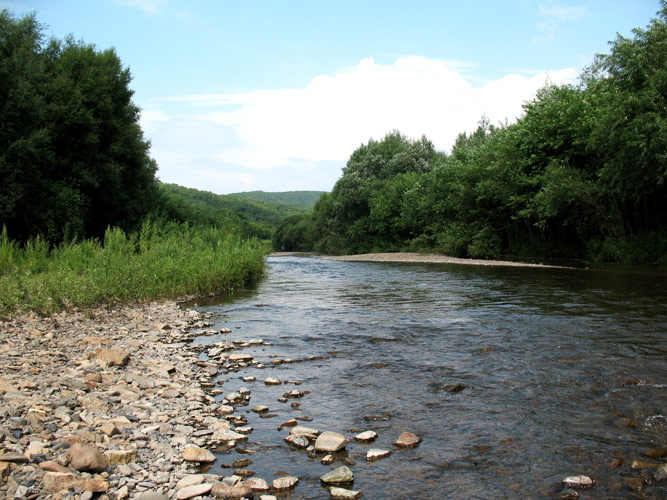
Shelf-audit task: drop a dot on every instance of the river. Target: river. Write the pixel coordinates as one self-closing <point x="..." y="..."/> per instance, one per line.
<point x="557" y="372"/>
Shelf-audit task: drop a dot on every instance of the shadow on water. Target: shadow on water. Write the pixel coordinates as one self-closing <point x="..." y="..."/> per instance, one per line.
<point x="514" y="377"/>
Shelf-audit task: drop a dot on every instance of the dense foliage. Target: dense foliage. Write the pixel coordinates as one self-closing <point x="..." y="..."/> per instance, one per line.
<point x="583" y="173"/>
<point x="82" y="217"/>
<point x="299" y="199"/>
<point x="251" y="216"/>
<point x="73" y="159"/>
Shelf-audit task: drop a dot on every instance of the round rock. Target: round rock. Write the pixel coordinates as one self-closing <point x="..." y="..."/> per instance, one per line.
<point x="407" y="440"/>
<point x="196" y="454"/>
<point x="87" y="458"/>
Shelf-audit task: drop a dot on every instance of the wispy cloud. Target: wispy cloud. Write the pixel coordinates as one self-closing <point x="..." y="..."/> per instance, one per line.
<point x="553" y="17"/>
<point x="562" y="13"/>
<point x="148" y="6"/>
<point x="324" y="122"/>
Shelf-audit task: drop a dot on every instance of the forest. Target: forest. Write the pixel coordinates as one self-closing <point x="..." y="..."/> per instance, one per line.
<point x="580" y="175"/>
<point x="84" y="220"/>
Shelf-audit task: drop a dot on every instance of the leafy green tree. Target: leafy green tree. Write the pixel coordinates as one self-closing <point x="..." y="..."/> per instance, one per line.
<point x="73" y="159"/>
<point x="631" y="127"/>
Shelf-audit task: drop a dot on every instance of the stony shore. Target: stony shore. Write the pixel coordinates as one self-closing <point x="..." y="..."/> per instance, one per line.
<point x="430" y="258"/>
<point x="115" y="404"/>
<point x="120" y="404"/>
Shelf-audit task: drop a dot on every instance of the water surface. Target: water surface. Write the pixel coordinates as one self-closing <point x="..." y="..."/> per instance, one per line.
<point x="565" y="373"/>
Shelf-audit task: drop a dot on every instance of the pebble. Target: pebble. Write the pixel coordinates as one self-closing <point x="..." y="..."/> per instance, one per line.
<point x="194" y="490"/>
<point x="196" y="454"/>
<point x="330" y="441"/>
<point x="366" y="436"/>
<point x="258" y="484"/>
<point x="86" y="458"/>
<point x="660" y="474"/>
<point x="343" y="494"/>
<point x="285" y="483"/>
<point x="408" y="440"/>
<point x="342" y="474"/>
<point x="579" y="482"/>
<point x="376" y="454"/>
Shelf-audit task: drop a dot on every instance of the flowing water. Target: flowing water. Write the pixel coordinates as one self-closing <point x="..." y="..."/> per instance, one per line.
<point x="564" y="372"/>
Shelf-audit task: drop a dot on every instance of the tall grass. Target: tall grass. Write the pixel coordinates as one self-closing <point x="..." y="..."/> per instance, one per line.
<point x="161" y="261"/>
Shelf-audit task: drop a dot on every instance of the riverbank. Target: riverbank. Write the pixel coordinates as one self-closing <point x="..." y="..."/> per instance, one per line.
<point x="124" y="404"/>
<point x="114" y="403"/>
<point x="432" y="258"/>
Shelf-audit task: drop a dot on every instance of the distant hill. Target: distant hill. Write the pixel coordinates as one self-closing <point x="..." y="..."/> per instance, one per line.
<point x="300" y="199"/>
<point x="257" y="212"/>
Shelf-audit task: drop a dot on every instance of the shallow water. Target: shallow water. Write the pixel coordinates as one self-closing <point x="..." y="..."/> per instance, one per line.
<point x="565" y="373"/>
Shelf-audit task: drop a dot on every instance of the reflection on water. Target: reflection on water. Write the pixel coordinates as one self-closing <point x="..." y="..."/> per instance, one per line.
<point x="563" y="373"/>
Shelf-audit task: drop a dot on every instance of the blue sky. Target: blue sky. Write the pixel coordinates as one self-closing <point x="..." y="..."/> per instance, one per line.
<point x="275" y="95"/>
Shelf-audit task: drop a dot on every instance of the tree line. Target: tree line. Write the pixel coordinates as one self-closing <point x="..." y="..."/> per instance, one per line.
<point x="73" y="158"/>
<point x="582" y="174"/>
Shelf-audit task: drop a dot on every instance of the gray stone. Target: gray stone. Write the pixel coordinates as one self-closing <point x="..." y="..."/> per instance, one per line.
<point x="342" y="474"/>
<point x="298" y="441"/>
<point x="366" y="436"/>
<point x="86" y="458"/>
<point x="376" y="454"/>
<point x="579" y="482"/>
<point x="193" y="490"/>
<point x="285" y="483"/>
<point x="660" y="473"/>
<point x="151" y="495"/>
<point x="407" y="440"/>
<point x="257" y="484"/>
<point x="221" y="490"/>
<point x="330" y="441"/>
<point x="343" y="494"/>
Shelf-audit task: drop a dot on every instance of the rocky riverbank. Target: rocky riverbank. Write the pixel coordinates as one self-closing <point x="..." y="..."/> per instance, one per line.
<point x="431" y="258"/>
<point x="120" y="404"/>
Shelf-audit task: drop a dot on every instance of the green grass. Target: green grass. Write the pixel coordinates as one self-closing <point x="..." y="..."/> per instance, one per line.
<point x="161" y="261"/>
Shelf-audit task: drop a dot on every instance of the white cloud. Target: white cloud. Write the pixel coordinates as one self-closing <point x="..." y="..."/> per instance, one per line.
<point x="151" y="118"/>
<point x="248" y="133"/>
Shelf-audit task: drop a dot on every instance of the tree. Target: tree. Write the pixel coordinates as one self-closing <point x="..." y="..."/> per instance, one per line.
<point x="631" y="127"/>
<point x="73" y="159"/>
